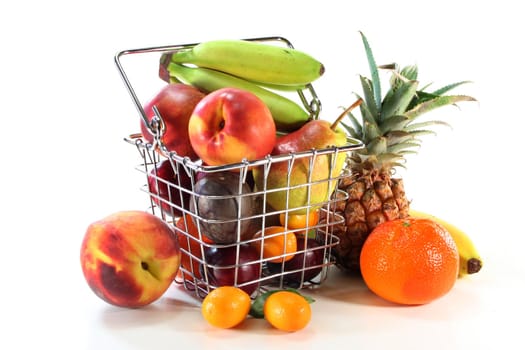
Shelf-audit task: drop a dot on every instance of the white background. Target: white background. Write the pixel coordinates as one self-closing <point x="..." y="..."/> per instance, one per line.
<point x="64" y="163"/>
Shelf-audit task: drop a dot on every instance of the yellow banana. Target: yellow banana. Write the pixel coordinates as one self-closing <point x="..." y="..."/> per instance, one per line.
<point x="287" y="114"/>
<point x="255" y="61"/>
<point x="469" y="258"/>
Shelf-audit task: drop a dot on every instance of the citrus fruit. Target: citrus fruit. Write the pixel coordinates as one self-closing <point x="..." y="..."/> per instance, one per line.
<point x="275" y="242"/>
<point x="409" y="261"/>
<point x="226" y="306"/>
<point x="299" y="221"/>
<point x="287" y="311"/>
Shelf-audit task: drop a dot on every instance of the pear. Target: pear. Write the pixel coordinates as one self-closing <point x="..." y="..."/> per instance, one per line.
<point x="303" y="182"/>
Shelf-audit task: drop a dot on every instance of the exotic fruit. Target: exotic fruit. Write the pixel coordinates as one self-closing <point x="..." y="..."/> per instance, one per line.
<point x="390" y="129"/>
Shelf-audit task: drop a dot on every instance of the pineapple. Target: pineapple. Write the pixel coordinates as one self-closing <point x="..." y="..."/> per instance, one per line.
<point x="390" y="129"/>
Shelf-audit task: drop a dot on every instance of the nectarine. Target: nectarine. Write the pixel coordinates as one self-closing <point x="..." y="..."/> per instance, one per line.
<point x="130" y="258"/>
<point x="230" y="125"/>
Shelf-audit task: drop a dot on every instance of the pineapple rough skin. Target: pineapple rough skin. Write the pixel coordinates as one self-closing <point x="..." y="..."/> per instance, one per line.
<point x="372" y="199"/>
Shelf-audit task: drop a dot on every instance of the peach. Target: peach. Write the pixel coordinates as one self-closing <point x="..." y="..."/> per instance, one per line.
<point x="230" y="125"/>
<point x="130" y="258"/>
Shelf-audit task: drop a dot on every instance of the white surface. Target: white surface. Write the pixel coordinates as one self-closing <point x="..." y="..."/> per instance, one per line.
<point x="64" y="165"/>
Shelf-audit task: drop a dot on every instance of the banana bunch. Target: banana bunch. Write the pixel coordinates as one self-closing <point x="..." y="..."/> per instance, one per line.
<point x="249" y="65"/>
<point x="469" y="258"/>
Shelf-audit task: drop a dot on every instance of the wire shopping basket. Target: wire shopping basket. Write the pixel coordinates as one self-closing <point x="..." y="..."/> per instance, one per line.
<point x="222" y="216"/>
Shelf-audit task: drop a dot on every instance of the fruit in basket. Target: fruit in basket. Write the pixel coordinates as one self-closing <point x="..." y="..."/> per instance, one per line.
<point x="170" y="191"/>
<point x="390" y="128"/>
<point x="254" y="61"/>
<point x="275" y="244"/>
<point x="175" y="103"/>
<point x="410" y="261"/>
<point x="287" y="114"/>
<point x="307" y="262"/>
<point x="300" y="223"/>
<point x="237" y="265"/>
<point x="130" y="258"/>
<point x="225" y="207"/>
<point x="309" y="176"/>
<point x="190" y="243"/>
<point x="231" y="125"/>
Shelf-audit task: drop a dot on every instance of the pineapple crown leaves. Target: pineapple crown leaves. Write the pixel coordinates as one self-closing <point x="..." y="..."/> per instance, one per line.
<point x="388" y="124"/>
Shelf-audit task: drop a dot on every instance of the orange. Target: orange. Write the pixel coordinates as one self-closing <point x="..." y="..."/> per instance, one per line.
<point x="409" y="261"/>
<point x="191" y="247"/>
<point x="276" y="242"/>
<point x="287" y="311"/>
<point x="226" y="306"/>
<point x="299" y="221"/>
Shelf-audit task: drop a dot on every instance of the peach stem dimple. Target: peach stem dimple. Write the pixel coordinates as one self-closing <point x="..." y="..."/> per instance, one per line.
<point x="145" y="266"/>
<point x="221" y="124"/>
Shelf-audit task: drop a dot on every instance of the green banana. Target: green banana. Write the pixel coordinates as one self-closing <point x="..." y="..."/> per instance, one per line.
<point x="283" y="87"/>
<point x="252" y="60"/>
<point x="469" y="258"/>
<point x="287" y="114"/>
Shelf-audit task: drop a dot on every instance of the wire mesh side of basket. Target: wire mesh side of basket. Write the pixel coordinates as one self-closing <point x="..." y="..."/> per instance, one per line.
<point x="174" y="200"/>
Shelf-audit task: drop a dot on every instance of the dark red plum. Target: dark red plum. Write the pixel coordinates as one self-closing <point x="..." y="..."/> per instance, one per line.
<point x="311" y="260"/>
<point x="225" y="208"/>
<point x="223" y="264"/>
<point x="172" y="189"/>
